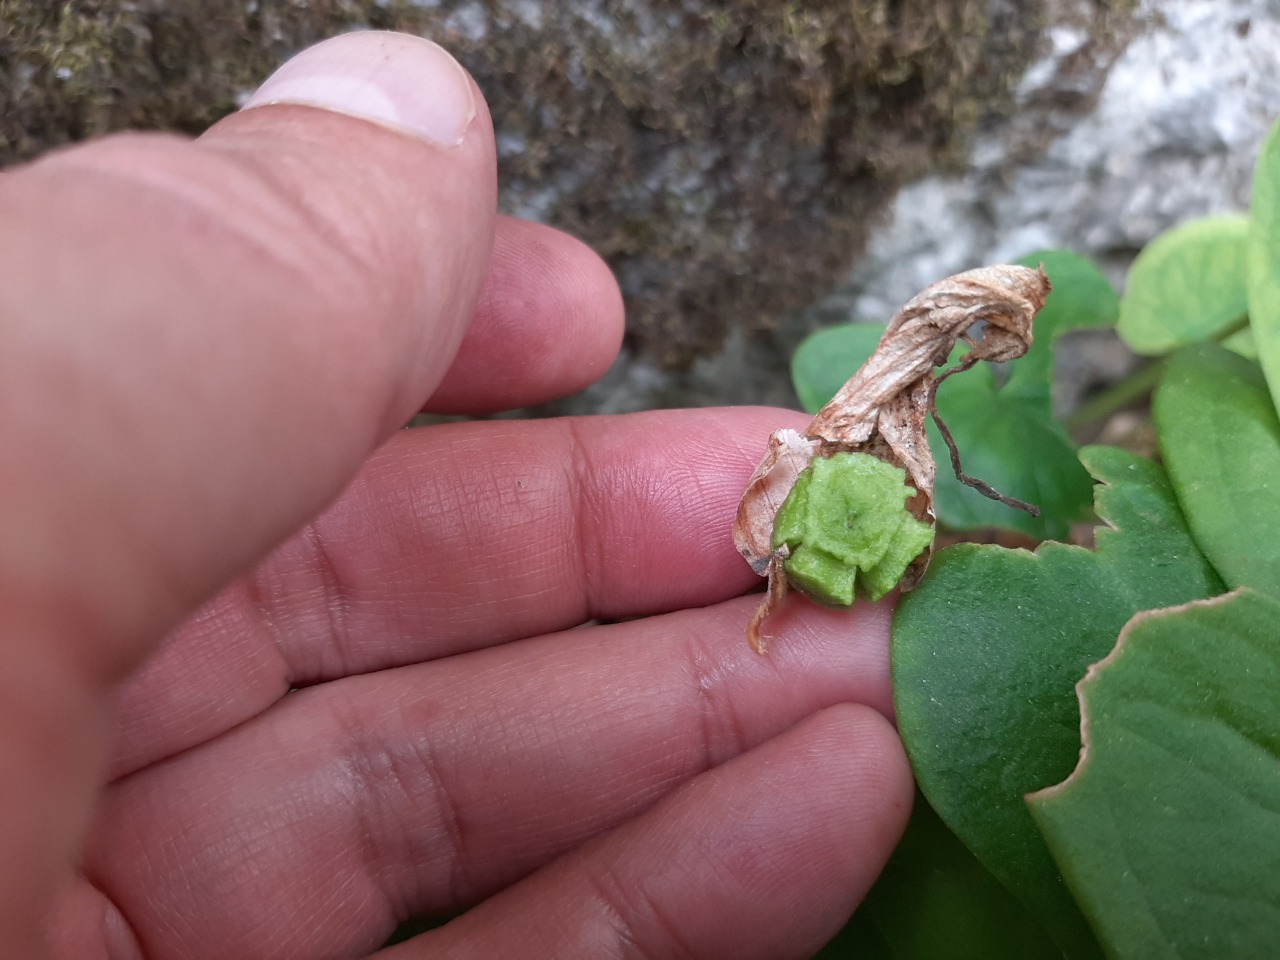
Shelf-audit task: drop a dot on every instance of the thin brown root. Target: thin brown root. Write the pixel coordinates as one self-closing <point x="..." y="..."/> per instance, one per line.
<point x="981" y="486"/>
<point x="772" y="601"/>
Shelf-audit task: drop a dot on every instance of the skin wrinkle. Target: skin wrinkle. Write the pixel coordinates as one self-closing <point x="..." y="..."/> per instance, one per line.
<point x="223" y="855"/>
<point x="672" y="945"/>
<point x="119" y="938"/>
<point x="237" y="611"/>
<point x="673" y="490"/>
<point x="375" y="770"/>
<point x="631" y="901"/>
<point x="602" y="887"/>
<point x="364" y="776"/>
<point x="333" y="600"/>
<point x="722" y="734"/>
<point x="450" y="814"/>
<point x="442" y="503"/>
<point x="357" y="237"/>
<point x="292" y="814"/>
<point x="94" y="928"/>
<point x="584" y="516"/>
<point x="134" y="930"/>
<point x="119" y="935"/>
<point x="466" y="510"/>
<point x="263" y="598"/>
<point x="353" y="245"/>
<point x="454" y="887"/>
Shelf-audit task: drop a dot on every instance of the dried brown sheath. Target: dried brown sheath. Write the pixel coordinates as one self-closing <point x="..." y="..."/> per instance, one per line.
<point x="882" y="409"/>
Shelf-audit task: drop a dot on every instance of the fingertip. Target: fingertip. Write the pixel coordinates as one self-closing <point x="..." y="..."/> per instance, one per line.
<point x="805" y="631"/>
<point x="549" y="323"/>
<point x="842" y="793"/>
<point x="860" y="798"/>
<point x="549" y="318"/>
<point x="842" y="796"/>
<point x="871" y="765"/>
<point x="765" y="856"/>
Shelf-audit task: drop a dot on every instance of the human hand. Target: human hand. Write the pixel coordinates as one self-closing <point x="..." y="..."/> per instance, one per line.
<point x="206" y="350"/>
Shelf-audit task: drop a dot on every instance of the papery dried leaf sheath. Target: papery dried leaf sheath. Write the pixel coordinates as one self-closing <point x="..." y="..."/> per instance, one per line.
<point x="883" y="407"/>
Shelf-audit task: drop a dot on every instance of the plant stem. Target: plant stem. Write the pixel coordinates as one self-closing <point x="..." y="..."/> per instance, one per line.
<point x="1135" y="385"/>
<point x="1119" y="395"/>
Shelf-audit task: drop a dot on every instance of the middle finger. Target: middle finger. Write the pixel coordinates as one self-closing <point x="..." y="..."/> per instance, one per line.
<point x="422" y="789"/>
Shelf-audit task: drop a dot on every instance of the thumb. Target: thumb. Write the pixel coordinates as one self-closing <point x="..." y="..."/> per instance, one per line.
<point x="199" y="344"/>
<point x="216" y="333"/>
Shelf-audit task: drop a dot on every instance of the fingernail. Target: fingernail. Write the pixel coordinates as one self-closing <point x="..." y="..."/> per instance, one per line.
<point x="399" y="81"/>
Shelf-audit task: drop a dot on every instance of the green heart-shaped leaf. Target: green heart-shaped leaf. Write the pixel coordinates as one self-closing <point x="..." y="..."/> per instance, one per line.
<point x="986" y="654"/>
<point x="1013" y="443"/>
<point x="1187" y="285"/>
<point x="1168" y="831"/>
<point x="828" y="357"/>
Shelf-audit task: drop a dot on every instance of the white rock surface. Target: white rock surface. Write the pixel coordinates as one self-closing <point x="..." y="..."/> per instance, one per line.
<point x="1178" y="121"/>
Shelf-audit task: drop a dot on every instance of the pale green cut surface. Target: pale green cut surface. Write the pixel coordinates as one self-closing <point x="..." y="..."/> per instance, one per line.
<point x="848" y="529"/>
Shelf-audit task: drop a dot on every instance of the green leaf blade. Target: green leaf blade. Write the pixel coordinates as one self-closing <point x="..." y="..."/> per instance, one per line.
<point x="1014" y="445"/>
<point x="1220" y="439"/>
<point x="1082" y="299"/>
<point x="986" y="654"/>
<point x="1168" y="831"/>
<point x="1264" y="260"/>
<point x="828" y="357"/>
<point x="933" y="900"/>
<point x="1187" y="285"/>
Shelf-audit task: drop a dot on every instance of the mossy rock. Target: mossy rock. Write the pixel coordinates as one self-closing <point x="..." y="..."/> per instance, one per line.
<point x="726" y="156"/>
